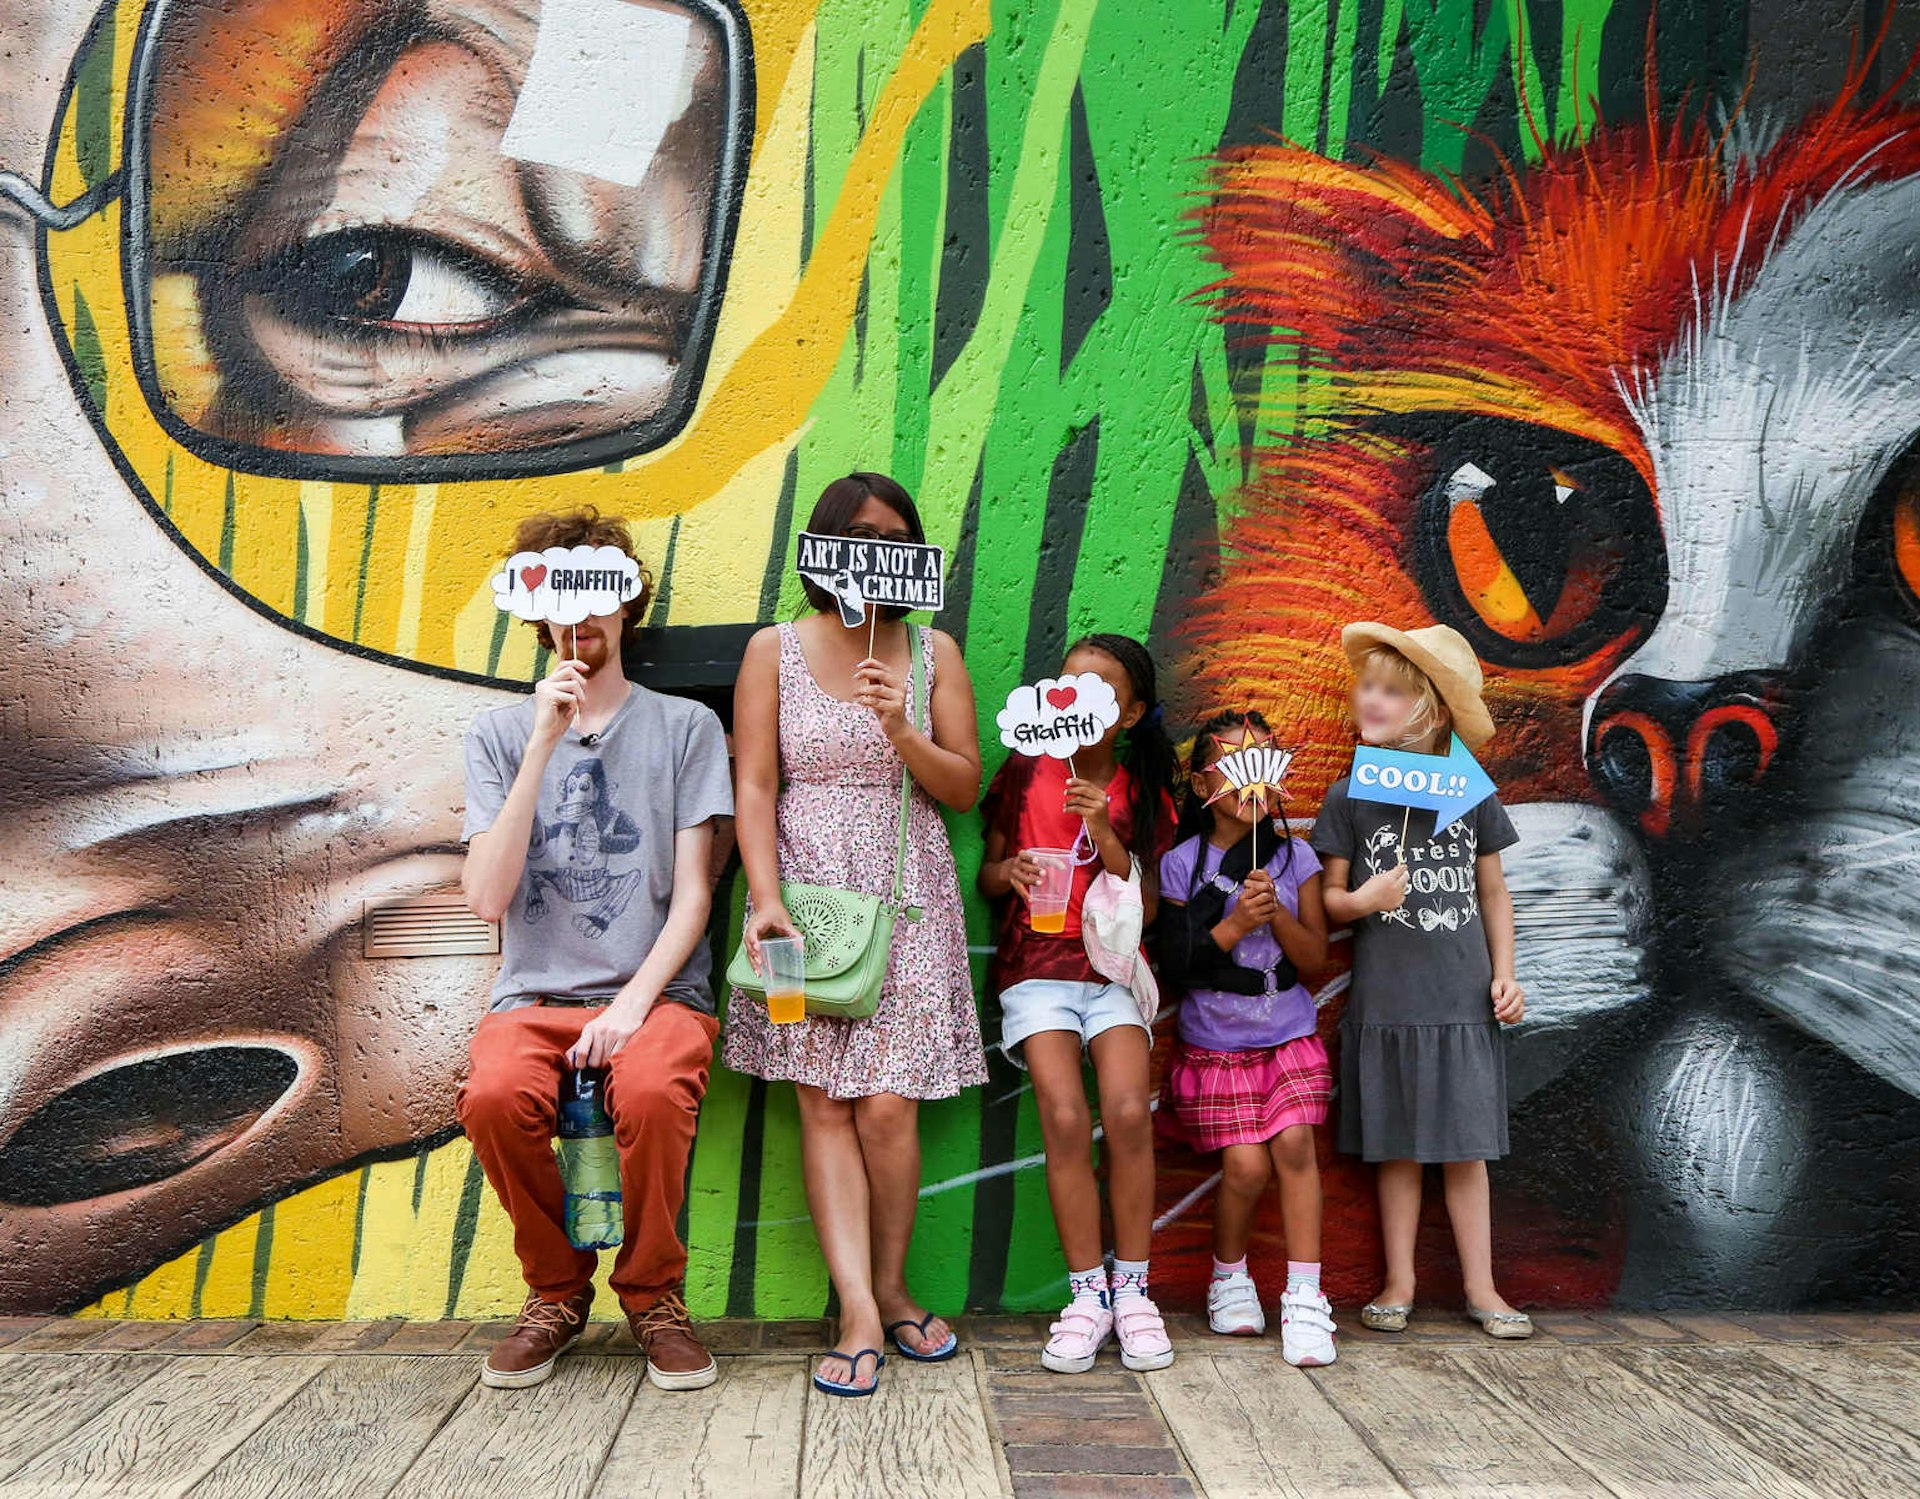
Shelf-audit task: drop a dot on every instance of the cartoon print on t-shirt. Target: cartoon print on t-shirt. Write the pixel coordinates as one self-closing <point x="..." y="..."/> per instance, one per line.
<point x="1441" y="888"/>
<point x="569" y="855"/>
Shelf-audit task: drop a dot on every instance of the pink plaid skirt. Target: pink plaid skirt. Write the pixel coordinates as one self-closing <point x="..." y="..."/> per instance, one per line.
<point x="1213" y="1099"/>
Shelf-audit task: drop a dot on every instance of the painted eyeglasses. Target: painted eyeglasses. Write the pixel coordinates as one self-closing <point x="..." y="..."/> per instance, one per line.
<point x="374" y="240"/>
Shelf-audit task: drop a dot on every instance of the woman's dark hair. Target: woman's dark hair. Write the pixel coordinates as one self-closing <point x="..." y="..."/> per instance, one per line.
<point x="1148" y="753"/>
<point x="834" y="511"/>
<point x="1195" y="819"/>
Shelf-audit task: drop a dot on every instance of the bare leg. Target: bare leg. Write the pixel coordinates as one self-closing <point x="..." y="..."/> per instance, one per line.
<point x="1299" y="1167"/>
<point x="1244" y="1170"/>
<point x="1399" y="1191"/>
<point x="1066" y="1128"/>
<point x="836" y="1177"/>
<point x="1120" y="1058"/>
<point x="889" y="1129"/>
<point x="1470" y="1209"/>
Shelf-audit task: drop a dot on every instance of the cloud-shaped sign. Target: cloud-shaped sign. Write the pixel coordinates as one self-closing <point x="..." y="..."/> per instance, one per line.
<point x="1058" y="716"/>
<point x="564" y="585"/>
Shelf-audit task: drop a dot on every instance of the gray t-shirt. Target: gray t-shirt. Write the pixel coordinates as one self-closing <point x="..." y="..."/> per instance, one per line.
<point x="599" y="873"/>
<point x="1426" y="963"/>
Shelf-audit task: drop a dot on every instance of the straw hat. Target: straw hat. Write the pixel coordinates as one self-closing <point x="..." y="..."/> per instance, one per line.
<point x="1444" y="655"/>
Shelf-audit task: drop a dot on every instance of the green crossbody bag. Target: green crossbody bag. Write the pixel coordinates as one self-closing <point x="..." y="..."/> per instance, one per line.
<point x="849" y="935"/>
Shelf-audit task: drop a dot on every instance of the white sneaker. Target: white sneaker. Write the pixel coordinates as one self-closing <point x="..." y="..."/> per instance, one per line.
<point x="1306" y="1329"/>
<point x="1233" y="1306"/>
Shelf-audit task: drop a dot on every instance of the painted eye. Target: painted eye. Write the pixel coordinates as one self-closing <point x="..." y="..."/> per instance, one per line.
<point x="1889" y="540"/>
<point x="377" y="280"/>
<point x="1540" y="547"/>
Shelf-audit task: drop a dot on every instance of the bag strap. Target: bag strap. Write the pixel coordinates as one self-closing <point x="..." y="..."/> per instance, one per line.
<point x="916" y="687"/>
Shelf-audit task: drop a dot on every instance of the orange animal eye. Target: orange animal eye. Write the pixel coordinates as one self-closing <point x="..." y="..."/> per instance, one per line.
<point x="1540" y="547"/>
<point x="1906" y="541"/>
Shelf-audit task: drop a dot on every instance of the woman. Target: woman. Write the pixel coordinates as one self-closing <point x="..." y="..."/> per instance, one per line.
<point x="821" y="731"/>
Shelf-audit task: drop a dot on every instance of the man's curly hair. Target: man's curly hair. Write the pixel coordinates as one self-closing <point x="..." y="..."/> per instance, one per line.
<point x="585" y="527"/>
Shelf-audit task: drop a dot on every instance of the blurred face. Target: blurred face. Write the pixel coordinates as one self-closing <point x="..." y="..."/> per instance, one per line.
<point x="1388" y="710"/>
<point x="1086" y="658"/>
<point x="594" y="642"/>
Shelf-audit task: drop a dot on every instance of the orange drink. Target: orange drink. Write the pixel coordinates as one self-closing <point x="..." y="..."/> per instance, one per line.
<point x="1048" y="897"/>
<point x="784" y="962"/>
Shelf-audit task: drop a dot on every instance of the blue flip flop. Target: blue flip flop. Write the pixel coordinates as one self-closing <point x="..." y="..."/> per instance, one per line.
<point x="853" y="1391"/>
<point x="939" y="1355"/>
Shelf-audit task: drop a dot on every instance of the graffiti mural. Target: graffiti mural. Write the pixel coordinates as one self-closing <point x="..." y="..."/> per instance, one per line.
<point x="1600" y="349"/>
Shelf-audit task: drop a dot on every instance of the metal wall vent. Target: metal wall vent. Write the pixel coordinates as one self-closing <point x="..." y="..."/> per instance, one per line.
<point x="425" y="926"/>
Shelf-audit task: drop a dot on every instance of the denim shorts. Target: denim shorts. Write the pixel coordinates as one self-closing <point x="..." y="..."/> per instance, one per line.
<point x="1086" y="1009"/>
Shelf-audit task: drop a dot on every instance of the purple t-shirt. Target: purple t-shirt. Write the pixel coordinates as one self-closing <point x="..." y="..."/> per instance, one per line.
<point x="1217" y="1021"/>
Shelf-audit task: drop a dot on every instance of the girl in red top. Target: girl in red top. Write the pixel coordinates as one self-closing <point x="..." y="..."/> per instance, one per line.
<point x="1054" y="1006"/>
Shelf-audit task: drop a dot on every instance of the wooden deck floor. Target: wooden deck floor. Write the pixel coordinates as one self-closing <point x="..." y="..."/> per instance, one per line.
<point x="1623" y="1405"/>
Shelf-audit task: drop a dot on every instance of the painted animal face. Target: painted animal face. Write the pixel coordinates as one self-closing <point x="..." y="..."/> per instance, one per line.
<point x="1643" y="422"/>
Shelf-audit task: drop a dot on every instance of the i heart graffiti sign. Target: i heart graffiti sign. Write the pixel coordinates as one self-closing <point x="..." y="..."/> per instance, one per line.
<point x="1058" y="716"/>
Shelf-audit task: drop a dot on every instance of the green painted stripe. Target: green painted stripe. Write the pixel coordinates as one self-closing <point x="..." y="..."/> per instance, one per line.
<point x="366" y="556"/>
<point x="466" y="1220"/>
<point x="300" y="561"/>
<point x="262" y="1263"/>
<point x="360" y="1216"/>
<point x="228" y="518"/>
<point x="202" y="1267"/>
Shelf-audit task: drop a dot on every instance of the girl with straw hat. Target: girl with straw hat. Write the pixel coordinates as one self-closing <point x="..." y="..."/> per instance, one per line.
<point x="1422" y="1068"/>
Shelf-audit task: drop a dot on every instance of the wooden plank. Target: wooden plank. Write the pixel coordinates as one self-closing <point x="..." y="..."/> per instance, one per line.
<point x="353" y="1430"/>
<point x="550" y="1439"/>
<point x="922" y="1431"/>
<point x="1880" y="1381"/>
<point x="1442" y="1431"/>
<point x="43" y="1397"/>
<point x="1271" y="1433"/>
<point x="1793" y="1423"/>
<point x="741" y="1436"/>
<point x="165" y="1433"/>
<point x="1617" y="1428"/>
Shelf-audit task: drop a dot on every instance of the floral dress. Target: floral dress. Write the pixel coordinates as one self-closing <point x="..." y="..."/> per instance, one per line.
<point x="839" y="824"/>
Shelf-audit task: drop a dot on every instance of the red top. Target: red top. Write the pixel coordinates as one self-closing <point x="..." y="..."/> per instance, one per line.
<point x="1026" y="804"/>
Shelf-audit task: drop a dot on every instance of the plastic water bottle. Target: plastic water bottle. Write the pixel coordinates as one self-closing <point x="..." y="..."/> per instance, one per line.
<point x="589" y="1162"/>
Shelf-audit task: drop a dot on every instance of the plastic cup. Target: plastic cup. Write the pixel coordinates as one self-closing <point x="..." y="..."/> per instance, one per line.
<point x="785" y="962"/>
<point x="1047" y="898"/>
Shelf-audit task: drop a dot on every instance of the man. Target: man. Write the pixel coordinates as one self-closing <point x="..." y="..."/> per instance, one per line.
<point x="591" y="810"/>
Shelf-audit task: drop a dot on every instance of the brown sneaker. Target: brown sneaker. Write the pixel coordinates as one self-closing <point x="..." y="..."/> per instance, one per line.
<point x="546" y="1330"/>
<point x="676" y="1359"/>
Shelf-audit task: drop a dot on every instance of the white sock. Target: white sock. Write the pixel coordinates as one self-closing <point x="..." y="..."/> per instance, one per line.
<point x="1303" y="1275"/>
<point x="1089" y="1286"/>
<point x="1129" y="1278"/>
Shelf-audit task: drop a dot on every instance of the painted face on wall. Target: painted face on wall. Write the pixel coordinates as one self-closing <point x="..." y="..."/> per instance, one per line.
<point x="345" y="256"/>
<point x="1643" y="423"/>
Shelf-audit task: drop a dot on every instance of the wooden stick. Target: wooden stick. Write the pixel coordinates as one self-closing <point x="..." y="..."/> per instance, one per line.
<point x="873" y="626"/>
<point x="1405" y="817"/>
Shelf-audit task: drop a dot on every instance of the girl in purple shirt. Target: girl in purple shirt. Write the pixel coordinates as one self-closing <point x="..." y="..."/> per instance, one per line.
<point x="1250" y="1078"/>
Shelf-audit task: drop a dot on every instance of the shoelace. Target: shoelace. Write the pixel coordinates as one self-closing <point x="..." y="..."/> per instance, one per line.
<point x="666" y="1314"/>
<point x="556" y="1318"/>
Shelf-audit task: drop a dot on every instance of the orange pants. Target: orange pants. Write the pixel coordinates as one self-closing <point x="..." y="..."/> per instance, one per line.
<point x="508" y="1106"/>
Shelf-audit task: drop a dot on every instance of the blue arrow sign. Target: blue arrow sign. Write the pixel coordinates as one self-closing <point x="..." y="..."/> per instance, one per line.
<point x="1449" y="786"/>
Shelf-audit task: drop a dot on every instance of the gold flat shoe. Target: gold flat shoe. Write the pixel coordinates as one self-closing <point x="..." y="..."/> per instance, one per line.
<point x="1502" y="1324"/>
<point x="1385" y="1318"/>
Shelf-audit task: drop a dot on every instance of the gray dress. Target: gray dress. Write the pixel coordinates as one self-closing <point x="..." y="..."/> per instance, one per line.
<point x="1423" y="1067"/>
